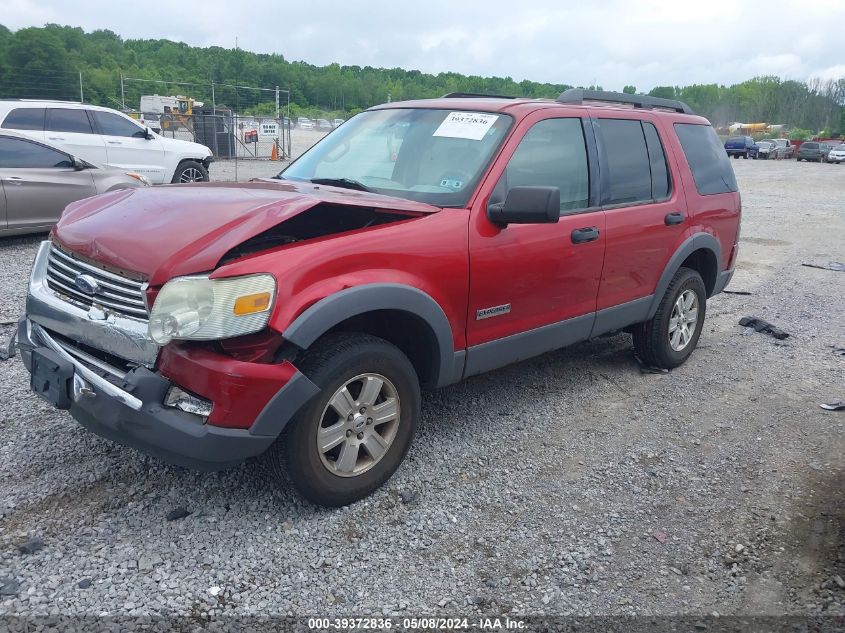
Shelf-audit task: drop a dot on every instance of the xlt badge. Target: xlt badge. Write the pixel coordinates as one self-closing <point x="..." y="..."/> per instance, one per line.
<point x="486" y="313"/>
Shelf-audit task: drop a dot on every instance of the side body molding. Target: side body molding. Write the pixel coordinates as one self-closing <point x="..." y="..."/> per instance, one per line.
<point x="688" y="247"/>
<point x="336" y="308"/>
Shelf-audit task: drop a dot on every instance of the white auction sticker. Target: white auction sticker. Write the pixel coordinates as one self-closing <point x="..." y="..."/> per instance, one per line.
<point x="471" y="125"/>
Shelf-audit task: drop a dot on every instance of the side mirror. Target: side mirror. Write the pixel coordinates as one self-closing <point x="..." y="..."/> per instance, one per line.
<point x="527" y="205"/>
<point x="148" y="134"/>
<point x="75" y="164"/>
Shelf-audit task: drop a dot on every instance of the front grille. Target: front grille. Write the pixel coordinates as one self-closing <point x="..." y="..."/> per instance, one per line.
<point x="117" y="294"/>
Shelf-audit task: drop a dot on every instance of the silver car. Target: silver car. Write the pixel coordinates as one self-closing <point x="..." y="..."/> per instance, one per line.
<point x="38" y="180"/>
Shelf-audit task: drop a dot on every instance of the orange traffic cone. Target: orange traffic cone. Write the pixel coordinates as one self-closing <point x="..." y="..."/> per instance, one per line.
<point x="274" y="155"/>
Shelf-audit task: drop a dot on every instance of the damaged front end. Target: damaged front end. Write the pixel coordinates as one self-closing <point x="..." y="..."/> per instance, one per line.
<point x="207" y="404"/>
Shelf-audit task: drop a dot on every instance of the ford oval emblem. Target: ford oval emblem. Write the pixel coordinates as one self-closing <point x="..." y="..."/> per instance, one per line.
<point x="87" y="284"/>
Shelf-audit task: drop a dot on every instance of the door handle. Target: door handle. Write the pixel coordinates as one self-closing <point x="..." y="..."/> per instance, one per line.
<point x="56" y="138"/>
<point x="580" y="236"/>
<point x="114" y="142"/>
<point x="673" y="218"/>
<point x="15" y="180"/>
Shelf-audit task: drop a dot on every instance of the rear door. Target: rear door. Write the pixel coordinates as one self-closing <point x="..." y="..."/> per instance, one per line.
<point x="39" y="182"/>
<point x="71" y="129"/>
<point x="127" y="146"/>
<point x="645" y="211"/>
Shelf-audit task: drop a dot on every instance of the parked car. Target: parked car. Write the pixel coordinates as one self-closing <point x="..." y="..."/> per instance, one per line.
<point x="107" y="137"/>
<point x="302" y="315"/>
<point x="337" y="122"/>
<point x="837" y="154"/>
<point x="826" y="148"/>
<point x="767" y="149"/>
<point x="304" y="123"/>
<point x="811" y="151"/>
<point x="38" y="180"/>
<point x="744" y="146"/>
<point x="786" y="148"/>
<point x="323" y="124"/>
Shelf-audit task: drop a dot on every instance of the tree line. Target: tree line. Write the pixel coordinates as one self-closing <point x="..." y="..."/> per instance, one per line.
<point x="63" y="62"/>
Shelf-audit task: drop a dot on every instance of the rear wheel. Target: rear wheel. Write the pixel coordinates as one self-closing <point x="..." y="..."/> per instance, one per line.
<point x="352" y="437"/>
<point x="668" y="338"/>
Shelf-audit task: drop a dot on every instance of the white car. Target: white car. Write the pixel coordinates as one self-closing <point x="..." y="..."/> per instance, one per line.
<point x="837" y="154"/>
<point x="304" y="123"/>
<point x="108" y="137"/>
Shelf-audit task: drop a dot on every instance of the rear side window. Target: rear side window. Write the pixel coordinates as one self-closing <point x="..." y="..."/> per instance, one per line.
<point x="660" y="185"/>
<point x="114" y="125"/>
<point x="711" y="168"/>
<point x="68" y="120"/>
<point x="25" y="119"/>
<point x="627" y="160"/>
<point x="16" y="153"/>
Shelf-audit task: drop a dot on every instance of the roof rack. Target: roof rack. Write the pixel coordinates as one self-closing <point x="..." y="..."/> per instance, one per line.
<point x="474" y="95"/>
<point x="579" y="95"/>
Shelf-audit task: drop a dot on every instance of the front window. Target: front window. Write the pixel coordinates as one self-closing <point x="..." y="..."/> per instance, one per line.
<point x="433" y="156"/>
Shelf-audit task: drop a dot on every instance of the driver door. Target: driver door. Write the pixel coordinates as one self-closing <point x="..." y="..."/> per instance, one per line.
<point x="533" y="287"/>
<point x="128" y="147"/>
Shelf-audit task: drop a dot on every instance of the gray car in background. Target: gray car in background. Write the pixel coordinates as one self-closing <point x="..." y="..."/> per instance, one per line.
<point x="38" y="180"/>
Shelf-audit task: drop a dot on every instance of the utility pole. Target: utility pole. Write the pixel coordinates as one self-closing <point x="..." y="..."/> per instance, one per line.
<point x="81" y="96"/>
<point x="277" y="103"/>
<point x="122" y="95"/>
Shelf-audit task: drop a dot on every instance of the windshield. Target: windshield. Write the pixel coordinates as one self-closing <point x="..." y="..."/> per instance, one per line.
<point x="432" y="156"/>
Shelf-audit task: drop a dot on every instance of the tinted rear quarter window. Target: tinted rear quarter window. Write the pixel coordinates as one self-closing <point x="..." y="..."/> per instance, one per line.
<point x="25" y="119"/>
<point x="660" y="185"/>
<point x="68" y="120"/>
<point x="710" y="166"/>
<point x="627" y="160"/>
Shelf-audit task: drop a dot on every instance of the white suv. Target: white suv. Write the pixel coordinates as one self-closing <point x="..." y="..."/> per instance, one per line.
<point x="108" y="137"/>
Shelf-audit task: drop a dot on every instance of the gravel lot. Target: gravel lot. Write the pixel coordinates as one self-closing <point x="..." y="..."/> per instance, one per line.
<point x="568" y="484"/>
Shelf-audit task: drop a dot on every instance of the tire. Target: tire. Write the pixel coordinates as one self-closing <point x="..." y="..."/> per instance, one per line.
<point x="190" y="171"/>
<point x="745" y="155"/>
<point x="652" y="337"/>
<point x="332" y="364"/>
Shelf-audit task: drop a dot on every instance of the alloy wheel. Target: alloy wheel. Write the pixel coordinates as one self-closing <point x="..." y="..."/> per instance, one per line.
<point x="683" y="319"/>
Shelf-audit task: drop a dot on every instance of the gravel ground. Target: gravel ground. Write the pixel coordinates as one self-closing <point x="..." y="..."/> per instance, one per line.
<point x="568" y="484"/>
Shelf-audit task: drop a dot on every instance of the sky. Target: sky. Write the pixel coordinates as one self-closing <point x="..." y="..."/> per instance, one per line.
<point x="611" y="43"/>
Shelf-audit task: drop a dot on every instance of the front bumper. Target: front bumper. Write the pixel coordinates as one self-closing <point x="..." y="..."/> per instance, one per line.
<point x="133" y="414"/>
<point x="114" y="381"/>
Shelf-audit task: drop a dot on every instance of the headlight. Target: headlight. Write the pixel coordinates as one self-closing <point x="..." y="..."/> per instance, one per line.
<point x="140" y="177"/>
<point x="199" y="308"/>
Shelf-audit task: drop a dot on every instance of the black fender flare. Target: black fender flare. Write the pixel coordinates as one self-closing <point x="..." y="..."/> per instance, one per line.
<point x="698" y="241"/>
<point x="336" y="308"/>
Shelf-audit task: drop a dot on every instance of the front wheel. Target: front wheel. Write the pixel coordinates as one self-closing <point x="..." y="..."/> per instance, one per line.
<point x="668" y="338"/>
<point x="352" y="437"/>
<point x="190" y="171"/>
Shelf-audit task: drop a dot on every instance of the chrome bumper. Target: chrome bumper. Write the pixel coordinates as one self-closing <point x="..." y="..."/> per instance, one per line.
<point x="118" y="335"/>
<point x="86" y="383"/>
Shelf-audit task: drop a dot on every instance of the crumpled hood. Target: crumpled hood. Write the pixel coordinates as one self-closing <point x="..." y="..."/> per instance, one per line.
<point x="163" y="232"/>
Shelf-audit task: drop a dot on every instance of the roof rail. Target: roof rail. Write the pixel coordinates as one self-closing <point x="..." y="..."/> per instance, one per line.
<point x="474" y="95"/>
<point x="580" y="95"/>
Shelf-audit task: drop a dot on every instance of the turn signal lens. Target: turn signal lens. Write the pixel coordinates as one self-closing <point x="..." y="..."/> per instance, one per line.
<point x="252" y="304"/>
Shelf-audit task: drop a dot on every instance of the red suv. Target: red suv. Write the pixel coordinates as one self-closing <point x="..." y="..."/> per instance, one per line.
<point x="417" y="244"/>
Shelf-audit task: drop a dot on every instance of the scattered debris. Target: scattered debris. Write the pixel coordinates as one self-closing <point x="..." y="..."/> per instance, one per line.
<point x="215" y="591"/>
<point x="177" y="513"/>
<point x="737" y="292"/>
<point x="30" y="546"/>
<point x="837" y="266"/>
<point x="759" y="325"/>
<point x="9" y="586"/>
<point x="833" y="406"/>
<point x="838" y="350"/>
<point x="645" y="368"/>
<point x="661" y="537"/>
<point x="739" y="548"/>
<point x="85" y="583"/>
<point x="7" y="351"/>
<point x="408" y="496"/>
<point x="839" y="582"/>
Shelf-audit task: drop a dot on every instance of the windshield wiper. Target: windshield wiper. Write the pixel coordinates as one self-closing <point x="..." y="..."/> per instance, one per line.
<point x="347" y="183"/>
